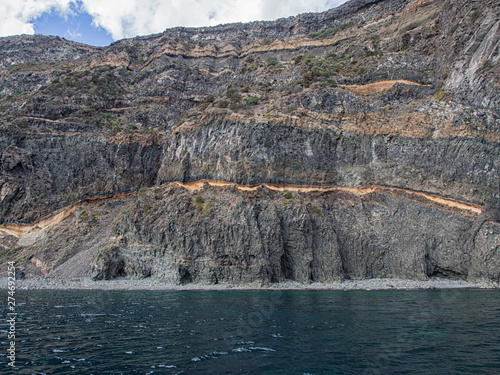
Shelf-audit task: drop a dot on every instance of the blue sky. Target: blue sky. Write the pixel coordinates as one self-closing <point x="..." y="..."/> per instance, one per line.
<point x="76" y="26"/>
<point x="100" y="22"/>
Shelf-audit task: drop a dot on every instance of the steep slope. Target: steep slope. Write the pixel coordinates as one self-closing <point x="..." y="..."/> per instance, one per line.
<point x="398" y="94"/>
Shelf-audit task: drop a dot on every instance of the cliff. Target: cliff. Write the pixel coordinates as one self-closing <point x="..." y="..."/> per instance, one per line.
<point x="356" y="143"/>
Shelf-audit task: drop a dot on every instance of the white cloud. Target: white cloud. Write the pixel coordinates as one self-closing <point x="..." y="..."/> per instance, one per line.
<point x="16" y="16"/>
<point x="74" y="33"/>
<point x="141" y="17"/>
<point x="282" y="8"/>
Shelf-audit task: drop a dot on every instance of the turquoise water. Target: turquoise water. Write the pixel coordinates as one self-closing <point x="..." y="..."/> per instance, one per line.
<point x="256" y="332"/>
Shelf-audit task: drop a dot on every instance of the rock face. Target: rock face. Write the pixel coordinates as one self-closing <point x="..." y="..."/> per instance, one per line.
<point x="398" y="94"/>
<point x="252" y="152"/>
<point x="44" y="172"/>
<point x="244" y="239"/>
<point x="228" y="235"/>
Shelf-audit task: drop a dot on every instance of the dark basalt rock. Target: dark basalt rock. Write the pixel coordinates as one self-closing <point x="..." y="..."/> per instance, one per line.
<point x="48" y="172"/>
<point x="251" y="153"/>
<point x="262" y="237"/>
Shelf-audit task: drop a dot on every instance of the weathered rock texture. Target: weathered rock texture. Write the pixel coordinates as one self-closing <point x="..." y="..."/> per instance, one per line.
<point x="254" y="152"/>
<point x="402" y="94"/>
<point x="226" y="235"/>
<point x="264" y="237"/>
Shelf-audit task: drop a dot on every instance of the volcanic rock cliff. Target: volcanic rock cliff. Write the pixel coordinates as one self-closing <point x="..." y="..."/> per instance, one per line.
<point x="361" y="142"/>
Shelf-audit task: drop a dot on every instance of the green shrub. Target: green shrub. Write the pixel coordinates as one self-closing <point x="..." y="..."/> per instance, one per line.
<point x="441" y="94"/>
<point x="269" y="110"/>
<point x="251" y="100"/>
<point x="252" y="67"/>
<point x="316" y="210"/>
<point x="235" y="106"/>
<point x="357" y="70"/>
<point x="24" y="257"/>
<point x="233" y="94"/>
<point x="331" y="82"/>
<point x="8" y="252"/>
<point x="326" y="68"/>
<point x="323" y="34"/>
<point x="103" y="69"/>
<point x="328" y="33"/>
<point x="272" y="61"/>
<point x="307" y="79"/>
<point x="188" y="45"/>
<point x="223" y="104"/>
<point x="199" y="199"/>
<point x="209" y="98"/>
<point x="104" y="120"/>
<point x="129" y="129"/>
<point x="287" y="194"/>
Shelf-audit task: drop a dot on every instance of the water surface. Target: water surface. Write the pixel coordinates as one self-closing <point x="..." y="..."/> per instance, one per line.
<point x="256" y="332"/>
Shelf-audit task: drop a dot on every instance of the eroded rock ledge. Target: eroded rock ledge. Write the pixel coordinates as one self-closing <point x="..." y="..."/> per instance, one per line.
<point x="257" y="235"/>
<point x="263" y="152"/>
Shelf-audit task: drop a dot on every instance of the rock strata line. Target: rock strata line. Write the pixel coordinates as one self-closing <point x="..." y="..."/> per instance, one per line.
<point x="192" y="186"/>
<point x="374" y="87"/>
<point x="19" y="230"/>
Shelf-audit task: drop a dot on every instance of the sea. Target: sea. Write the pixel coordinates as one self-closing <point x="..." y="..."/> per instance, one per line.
<point x="253" y="332"/>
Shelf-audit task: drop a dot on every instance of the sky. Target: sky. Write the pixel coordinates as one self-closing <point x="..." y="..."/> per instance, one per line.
<point x="100" y="22"/>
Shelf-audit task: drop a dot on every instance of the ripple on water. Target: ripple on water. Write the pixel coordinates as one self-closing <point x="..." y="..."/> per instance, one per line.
<point x="128" y="340"/>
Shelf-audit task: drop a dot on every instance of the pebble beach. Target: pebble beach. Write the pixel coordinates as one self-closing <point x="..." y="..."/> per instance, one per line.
<point x="40" y="283"/>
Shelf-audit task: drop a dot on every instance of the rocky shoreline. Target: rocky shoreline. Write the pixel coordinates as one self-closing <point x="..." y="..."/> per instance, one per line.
<point x="122" y="284"/>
